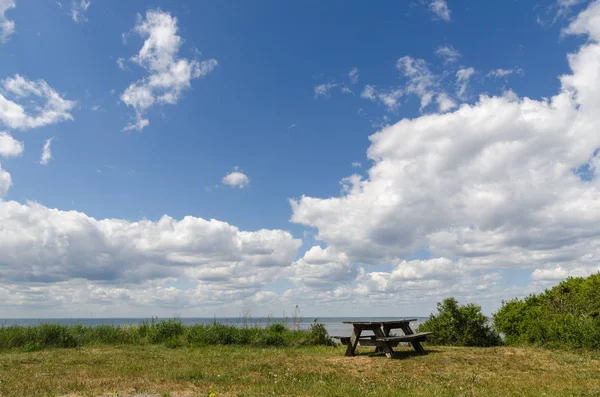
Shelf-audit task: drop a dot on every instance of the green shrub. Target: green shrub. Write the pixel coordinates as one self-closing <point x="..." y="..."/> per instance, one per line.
<point x="319" y="335"/>
<point x="272" y="339"/>
<point x="164" y="330"/>
<point x="277" y="328"/>
<point x="566" y="315"/>
<point x="54" y="335"/>
<point x="456" y="325"/>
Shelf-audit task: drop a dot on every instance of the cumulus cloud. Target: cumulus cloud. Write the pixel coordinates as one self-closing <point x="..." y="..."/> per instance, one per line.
<point x="33" y="104"/>
<point x="7" y="27"/>
<point x="444" y="102"/>
<point x="169" y="75"/>
<point x="449" y="53"/>
<point x="440" y="9"/>
<point x="78" y="10"/>
<point x="322" y="269"/>
<point x="558" y="273"/>
<point x="48" y="245"/>
<point x="9" y="146"/>
<point x="5" y="182"/>
<point x="492" y="185"/>
<point x="46" y="152"/>
<point x="236" y="179"/>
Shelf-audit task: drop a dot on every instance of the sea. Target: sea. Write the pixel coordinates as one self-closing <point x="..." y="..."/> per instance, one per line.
<point x="334" y="325"/>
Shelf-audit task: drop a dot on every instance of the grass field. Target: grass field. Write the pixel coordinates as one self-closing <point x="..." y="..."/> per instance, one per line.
<point x="155" y="370"/>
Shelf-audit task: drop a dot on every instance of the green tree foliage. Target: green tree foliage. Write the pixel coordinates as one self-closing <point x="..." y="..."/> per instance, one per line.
<point x="459" y="325"/>
<point x="566" y="315"/>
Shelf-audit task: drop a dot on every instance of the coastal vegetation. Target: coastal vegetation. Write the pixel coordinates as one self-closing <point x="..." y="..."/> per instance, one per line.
<point x="545" y="344"/>
<point x="171" y="333"/>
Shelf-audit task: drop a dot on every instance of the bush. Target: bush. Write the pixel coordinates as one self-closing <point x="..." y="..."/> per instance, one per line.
<point x="165" y="330"/>
<point x="171" y="333"/>
<point x="277" y="328"/>
<point x="319" y="335"/>
<point x="566" y="315"/>
<point x="456" y="325"/>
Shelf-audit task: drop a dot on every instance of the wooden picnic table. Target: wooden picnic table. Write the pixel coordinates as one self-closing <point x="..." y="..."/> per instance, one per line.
<point x="381" y="338"/>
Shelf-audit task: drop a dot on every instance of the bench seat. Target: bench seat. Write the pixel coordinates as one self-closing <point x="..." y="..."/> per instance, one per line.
<point x="363" y="341"/>
<point x="420" y="336"/>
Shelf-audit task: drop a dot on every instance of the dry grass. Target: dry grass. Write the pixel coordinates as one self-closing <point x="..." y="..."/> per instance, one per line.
<point x="307" y="371"/>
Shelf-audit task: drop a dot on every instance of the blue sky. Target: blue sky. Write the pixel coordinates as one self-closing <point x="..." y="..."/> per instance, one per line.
<point x="271" y="99"/>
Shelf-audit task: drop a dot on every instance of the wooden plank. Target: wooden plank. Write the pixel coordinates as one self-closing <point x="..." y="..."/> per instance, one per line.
<point x="353" y="342"/>
<point x="415" y="342"/>
<point x="344" y="340"/>
<point x="385" y="346"/>
<point x="405" y="338"/>
<point x="381" y="323"/>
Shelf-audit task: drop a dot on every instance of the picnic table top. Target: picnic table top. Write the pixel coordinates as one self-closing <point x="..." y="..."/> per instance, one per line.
<point x="387" y="322"/>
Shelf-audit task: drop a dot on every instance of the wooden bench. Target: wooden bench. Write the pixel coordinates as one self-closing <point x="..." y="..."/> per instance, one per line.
<point x="420" y="336"/>
<point x="364" y="341"/>
<point x="381" y="338"/>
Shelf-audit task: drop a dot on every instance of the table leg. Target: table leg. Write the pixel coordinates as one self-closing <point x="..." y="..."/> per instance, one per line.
<point x="385" y="346"/>
<point x="353" y="340"/>
<point x="386" y="332"/>
<point x="415" y="344"/>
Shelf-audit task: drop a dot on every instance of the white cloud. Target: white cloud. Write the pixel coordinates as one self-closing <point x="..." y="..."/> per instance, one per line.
<point x="7" y="27"/>
<point x="353" y="75"/>
<point x="5" y="182"/>
<point x="346" y="90"/>
<point x="586" y="23"/>
<point x="496" y="184"/>
<point x="46" y="245"/>
<point x="323" y="89"/>
<point x="558" y="273"/>
<point x="462" y="81"/>
<point x="169" y="75"/>
<point x="389" y="97"/>
<point x="356" y="164"/>
<point x="440" y="9"/>
<point x="15" y="115"/>
<point x="121" y="63"/>
<point x="449" y="53"/>
<point x="444" y="102"/>
<point x="420" y="80"/>
<point x="499" y="73"/>
<point x="322" y="269"/>
<point x="78" y="10"/>
<point x="236" y="179"/>
<point x="9" y="146"/>
<point x="369" y="92"/>
<point x="95" y="108"/>
<point x="46" y="152"/>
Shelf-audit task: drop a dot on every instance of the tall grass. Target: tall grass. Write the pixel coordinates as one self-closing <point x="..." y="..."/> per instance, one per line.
<point x="172" y="333"/>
